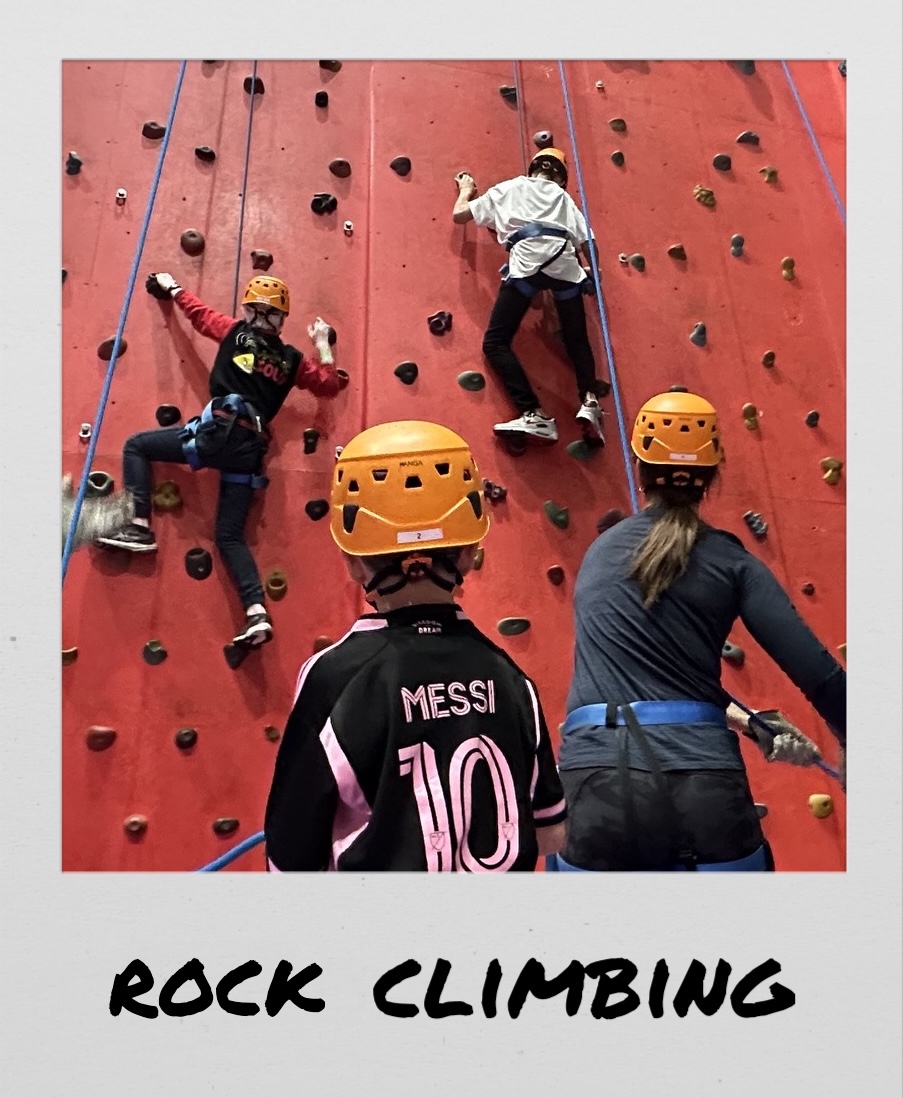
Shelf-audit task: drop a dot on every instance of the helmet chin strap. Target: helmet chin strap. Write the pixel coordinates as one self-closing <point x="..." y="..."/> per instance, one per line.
<point x="411" y="568"/>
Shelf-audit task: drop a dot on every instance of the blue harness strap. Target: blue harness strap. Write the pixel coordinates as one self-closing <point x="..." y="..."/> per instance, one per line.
<point x="534" y="228"/>
<point x="252" y="481"/>
<point x="646" y="712"/>
<point x="757" y="862"/>
<point x="206" y="422"/>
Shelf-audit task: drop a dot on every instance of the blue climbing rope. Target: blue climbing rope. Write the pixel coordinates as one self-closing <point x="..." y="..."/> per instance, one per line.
<point x="244" y="189"/>
<point x="824" y="166"/>
<point x="606" y="336"/>
<point x="236" y="852"/>
<point x="105" y="392"/>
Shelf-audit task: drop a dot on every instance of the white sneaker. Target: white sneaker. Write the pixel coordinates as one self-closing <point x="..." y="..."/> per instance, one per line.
<point x="591" y="414"/>
<point x="530" y="423"/>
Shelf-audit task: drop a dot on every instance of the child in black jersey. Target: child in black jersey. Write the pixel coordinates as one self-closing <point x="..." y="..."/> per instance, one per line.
<point x="414" y="743"/>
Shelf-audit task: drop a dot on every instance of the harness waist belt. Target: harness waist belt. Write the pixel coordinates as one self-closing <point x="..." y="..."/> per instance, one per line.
<point x="535" y="228"/>
<point x="647" y="712"/>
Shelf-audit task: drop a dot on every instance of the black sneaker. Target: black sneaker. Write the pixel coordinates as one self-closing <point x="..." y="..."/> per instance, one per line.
<point x="258" y="630"/>
<point x="136" y="539"/>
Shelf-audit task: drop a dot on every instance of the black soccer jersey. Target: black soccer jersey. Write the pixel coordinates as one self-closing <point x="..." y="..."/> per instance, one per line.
<point x="414" y="743"/>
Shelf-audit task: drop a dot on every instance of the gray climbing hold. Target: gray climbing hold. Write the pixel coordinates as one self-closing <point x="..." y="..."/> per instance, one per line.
<point x="340" y="168"/>
<point x="748" y="68"/>
<point x="154" y="653"/>
<point x="722" y="162"/>
<point x="316" y="509"/>
<point x="733" y="654"/>
<point x="401" y="165"/>
<point x="737" y="243"/>
<point x="406" y="372"/>
<point x="513" y="627"/>
<point x="842" y="69"/>
<point x="542" y="139"/>
<point x="185" y="738"/>
<point x="198" y="563"/>
<point x="153" y="131"/>
<point x="472" y="380"/>
<point x="440" y="322"/>
<point x="756" y="523"/>
<point x="677" y="251"/>
<point x="617" y="158"/>
<point x="99" y="484"/>
<point x="556" y="514"/>
<point x="699" y="336"/>
<point x="761" y="810"/>
<point x="205" y="153"/>
<point x="748" y="137"/>
<point x="618" y="125"/>
<point x="311" y="438"/>
<point x="73" y="164"/>
<point x="812" y="418"/>
<point x="637" y="261"/>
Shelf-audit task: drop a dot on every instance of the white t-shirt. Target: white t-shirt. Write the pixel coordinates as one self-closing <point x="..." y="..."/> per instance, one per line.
<point x="510" y="205"/>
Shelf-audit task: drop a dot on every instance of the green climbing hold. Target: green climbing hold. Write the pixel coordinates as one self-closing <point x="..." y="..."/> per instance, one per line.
<point x="513" y="627"/>
<point x="272" y="733"/>
<point x="579" y="450"/>
<point x="472" y="380"/>
<point x="558" y="516"/>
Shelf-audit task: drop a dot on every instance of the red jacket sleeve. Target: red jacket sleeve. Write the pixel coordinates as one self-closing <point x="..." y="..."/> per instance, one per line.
<point x="206" y="321"/>
<point x="320" y="379"/>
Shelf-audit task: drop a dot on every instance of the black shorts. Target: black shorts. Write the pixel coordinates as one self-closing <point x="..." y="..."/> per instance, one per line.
<point x="623" y="819"/>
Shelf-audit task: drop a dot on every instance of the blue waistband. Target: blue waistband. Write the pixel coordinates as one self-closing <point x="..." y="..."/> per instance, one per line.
<point x="647" y="712"/>
<point x="757" y="862"/>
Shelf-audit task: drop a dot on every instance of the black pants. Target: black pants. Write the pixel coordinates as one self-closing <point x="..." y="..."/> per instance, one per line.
<point x="243" y="453"/>
<point x="507" y="314"/>
<point x="619" y="820"/>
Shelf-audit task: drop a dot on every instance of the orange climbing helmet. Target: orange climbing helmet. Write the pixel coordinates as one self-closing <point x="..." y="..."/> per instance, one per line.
<point x="556" y="155"/>
<point x="264" y="290"/>
<point x="403" y="486"/>
<point x="677" y="428"/>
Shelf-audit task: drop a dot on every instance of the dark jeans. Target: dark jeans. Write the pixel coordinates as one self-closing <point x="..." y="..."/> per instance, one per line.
<point x="509" y="310"/>
<point x="241" y="454"/>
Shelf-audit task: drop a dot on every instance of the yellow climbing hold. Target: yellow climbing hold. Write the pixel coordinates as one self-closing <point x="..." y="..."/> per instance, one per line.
<point x="787" y="265"/>
<point x="769" y="174"/>
<point x="705" y="195"/>
<point x="751" y="417"/>
<point x="821" y="805"/>
<point x="831" y="468"/>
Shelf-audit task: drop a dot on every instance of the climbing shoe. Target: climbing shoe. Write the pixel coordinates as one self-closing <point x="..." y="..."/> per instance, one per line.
<point x="590" y="416"/>
<point x="258" y="630"/>
<point x="532" y="424"/>
<point x="135" y="539"/>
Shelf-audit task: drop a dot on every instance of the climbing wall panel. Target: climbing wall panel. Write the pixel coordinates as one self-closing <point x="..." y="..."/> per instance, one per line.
<point x="403" y="261"/>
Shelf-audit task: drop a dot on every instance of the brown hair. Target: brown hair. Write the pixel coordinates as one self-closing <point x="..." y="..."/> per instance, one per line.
<point x="663" y="555"/>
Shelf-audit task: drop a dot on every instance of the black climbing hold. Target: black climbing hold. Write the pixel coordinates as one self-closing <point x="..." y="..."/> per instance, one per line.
<point x="756" y="523"/>
<point x="167" y="415"/>
<point x="746" y="67"/>
<point x="737" y="243"/>
<point x="733" y="653"/>
<point x="205" y="153"/>
<point x="340" y="168"/>
<point x="543" y="139"/>
<point x="331" y="337"/>
<point x="344" y="379"/>
<point x="154" y="653"/>
<point x="65" y="274"/>
<point x="153" y="130"/>
<point x="99" y="739"/>
<point x="513" y="627"/>
<point x="748" y="137"/>
<point x="603" y="388"/>
<point x="208" y="62"/>
<point x="406" y="372"/>
<point x="611" y="518"/>
<point x="508" y="93"/>
<point x="761" y="810"/>
<point x="617" y="158"/>
<point x="698" y="335"/>
<point x="722" y="162"/>
<point x="192" y="242"/>
<point x="185" y="738"/>
<point x="311" y="438"/>
<point x="235" y="655"/>
<point x="277" y="585"/>
<point x="808" y="588"/>
<point x="321" y="99"/>
<point x="677" y="251"/>
<point x="135" y="826"/>
<point x="618" y="125"/>
<point x="73" y="164"/>
<point x="323" y="203"/>
<point x="557" y="515"/>
<point x="842" y="68"/>
<point x="579" y="449"/>
<point x="316" y="509"/>
<point x="226" y="825"/>
<point x="105" y="350"/>
<point x="495" y="493"/>
<point x="99" y="484"/>
<point x="70" y="655"/>
<point x="440" y="322"/>
<point x="812" y="419"/>
<point x="253" y="85"/>
<point x="331" y="66"/>
<point x="198" y="563"/>
<point x="272" y="733"/>
<point x="555" y="575"/>
<point x="261" y="260"/>
<point x="768" y="359"/>
<point x="401" y="165"/>
<point x="472" y="380"/>
<point x="637" y="262"/>
<point x="678" y="389"/>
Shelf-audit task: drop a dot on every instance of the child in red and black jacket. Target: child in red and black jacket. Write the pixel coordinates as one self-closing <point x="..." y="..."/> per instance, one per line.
<point x="252" y="374"/>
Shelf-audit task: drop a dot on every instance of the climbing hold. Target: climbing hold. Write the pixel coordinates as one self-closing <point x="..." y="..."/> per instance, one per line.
<point x="737" y="243"/>
<point x="235" y="654"/>
<point x="205" y="153"/>
<point x="331" y="336"/>
<point x="321" y="99"/>
<point x="748" y="137"/>
<point x="705" y="195"/>
<point x="557" y="515"/>
<point x="722" y="162"/>
<point x="348" y="228"/>
<point x="508" y="93"/>
<point x="322" y="642"/>
<point x="677" y="251"/>
<point x="842" y="68"/>
<point x="99" y="484"/>
<point x="555" y="575"/>
<point x="311" y="438"/>
<point x="153" y="130"/>
<point x="821" y="805"/>
<point x="192" y="242"/>
<point x="769" y="173"/>
<point x="733" y="653"/>
<point x="637" y="262"/>
<point x="185" y="738"/>
<point x="495" y="493"/>
<point x="751" y="416"/>
<point x="73" y="164"/>
<point x="579" y="450"/>
<point x="831" y="467"/>
<point x="768" y="359"/>
<point x="99" y="739"/>
<point x="167" y="496"/>
<point x="323" y="203"/>
<point x="440" y="322"/>
<point x="600" y="86"/>
<point x="343" y="377"/>
<point x="746" y="67"/>
<point x="225" y="825"/>
<point x="316" y="509"/>
<point x="198" y="563"/>
<point x="478" y="557"/>
<point x="401" y="165"/>
<point x="812" y="418"/>
<point x="543" y="139"/>
<point x="611" y="518"/>
<point x="340" y="168"/>
<point x="514" y="443"/>
<point x="331" y="66"/>
<point x="105" y="350"/>
<point x="84" y="432"/>
<point x="623" y="258"/>
<point x="406" y="372"/>
<point x="808" y="588"/>
<point x="272" y="733"/>
<point x="277" y="585"/>
<point x="678" y="389"/>
<point x="788" y="263"/>
<point x="472" y="380"/>
<point x="756" y="523"/>
<point x="761" y="810"/>
<point x="65" y="274"/>
<point x="208" y="62"/>
<point x="70" y="655"/>
<point x="154" y="653"/>
<point x="261" y="260"/>
<point x="167" y="415"/>
<point x="617" y="158"/>
<point x="698" y="335"/>
<point x="842" y="649"/>
<point x="121" y="195"/>
<point x="135" y="825"/>
<point x="618" y="125"/>
<point x="253" y="85"/>
<point x="512" y="627"/>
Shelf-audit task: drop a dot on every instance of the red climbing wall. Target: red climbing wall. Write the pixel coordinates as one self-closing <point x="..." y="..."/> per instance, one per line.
<point x="405" y="260"/>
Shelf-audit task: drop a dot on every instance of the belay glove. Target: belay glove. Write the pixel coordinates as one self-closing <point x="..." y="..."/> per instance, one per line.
<point x="162" y="286"/>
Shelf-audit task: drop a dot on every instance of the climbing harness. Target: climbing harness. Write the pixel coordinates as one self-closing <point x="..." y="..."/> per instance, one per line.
<point x="205" y="435"/>
<point x="533" y="229"/>
<point x="644" y="712"/>
<point x="760" y="861"/>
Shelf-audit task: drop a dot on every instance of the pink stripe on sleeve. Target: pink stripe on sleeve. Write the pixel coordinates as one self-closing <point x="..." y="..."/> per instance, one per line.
<point x="545" y="813"/>
<point x="353" y="811"/>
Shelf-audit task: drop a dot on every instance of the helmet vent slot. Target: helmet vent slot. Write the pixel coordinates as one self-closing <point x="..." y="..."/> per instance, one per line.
<point x="476" y="503"/>
<point x="468" y="475"/>
<point x="380" y="474"/>
<point x="353" y="486"/>
<point x="684" y="427"/>
<point x="339" y="475"/>
<point x="413" y="482"/>
<point x="647" y="442"/>
<point x="667" y="422"/>
<point x="349" y="516"/>
<point x="443" y="468"/>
